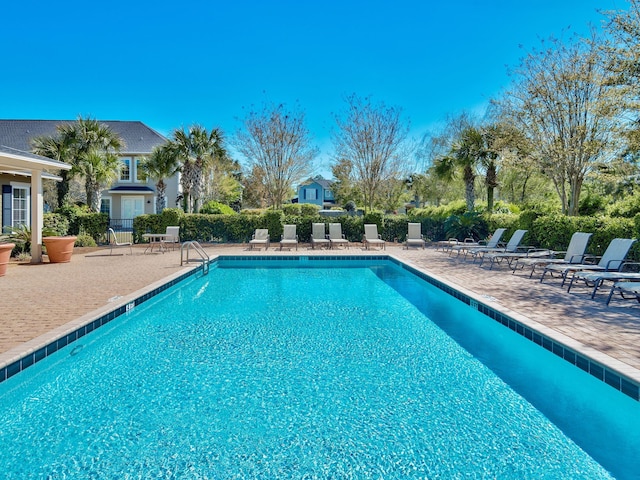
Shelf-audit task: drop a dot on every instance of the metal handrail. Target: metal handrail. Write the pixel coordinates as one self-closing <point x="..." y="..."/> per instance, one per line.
<point x="204" y="257"/>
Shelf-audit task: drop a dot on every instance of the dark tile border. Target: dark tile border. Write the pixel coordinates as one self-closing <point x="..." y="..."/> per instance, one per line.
<point x="34" y="357"/>
<point x="599" y="371"/>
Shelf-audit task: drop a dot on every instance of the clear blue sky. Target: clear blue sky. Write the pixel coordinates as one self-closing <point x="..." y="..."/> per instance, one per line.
<point x="173" y="64"/>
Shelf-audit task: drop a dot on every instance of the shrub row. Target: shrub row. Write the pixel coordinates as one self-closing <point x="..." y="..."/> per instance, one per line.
<point x="544" y="230"/>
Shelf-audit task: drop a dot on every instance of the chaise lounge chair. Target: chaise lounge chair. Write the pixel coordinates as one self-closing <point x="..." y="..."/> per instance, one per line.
<point x="446" y="245"/>
<point x="630" y="289"/>
<point x="596" y="279"/>
<point x="611" y="261"/>
<point x="289" y="237"/>
<point x="414" y="236"/>
<point x="493" y="242"/>
<point x="371" y="237"/>
<point x="260" y="238"/>
<point x="512" y="246"/>
<point x="336" y="237"/>
<point x="318" y="236"/>
<point x="113" y="242"/>
<point x="574" y="254"/>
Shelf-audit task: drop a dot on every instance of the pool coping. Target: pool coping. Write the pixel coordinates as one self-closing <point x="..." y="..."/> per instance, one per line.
<point x="613" y="372"/>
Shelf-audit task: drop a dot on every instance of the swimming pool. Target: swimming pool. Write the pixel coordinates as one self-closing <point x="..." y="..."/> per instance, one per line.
<point x="363" y="371"/>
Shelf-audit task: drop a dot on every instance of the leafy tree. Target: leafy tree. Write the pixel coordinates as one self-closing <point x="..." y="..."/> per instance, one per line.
<point x="371" y="138"/>
<point x="344" y="187"/>
<point x="159" y="166"/>
<point x="623" y="60"/>
<point x="277" y="144"/>
<point x="561" y="103"/>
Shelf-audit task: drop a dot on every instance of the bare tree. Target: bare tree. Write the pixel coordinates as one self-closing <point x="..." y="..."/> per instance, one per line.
<point x="278" y="142"/>
<point x="624" y="61"/>
<point x="372" y="138"/>
<point x="560" y="102"/>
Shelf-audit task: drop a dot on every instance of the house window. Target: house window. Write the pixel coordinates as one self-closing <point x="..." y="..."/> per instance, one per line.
<point x="20" y="206"/>
<point x="311" y="194"/>
<point x="125" y="170"/>
<point x="140" y="178"/>
<point x="105" y="206"/>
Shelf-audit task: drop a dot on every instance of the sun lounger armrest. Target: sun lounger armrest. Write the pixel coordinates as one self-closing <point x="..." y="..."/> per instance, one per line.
<point x="614" y="265"/>
<point x="630" y="267"/>
<point x="591" y="259"/>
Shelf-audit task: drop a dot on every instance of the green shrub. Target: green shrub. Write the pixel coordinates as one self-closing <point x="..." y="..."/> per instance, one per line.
<point x="273" y="222"/>
<point x="92" y="224"/>
<point x="213" y="207"/>
<point x="628" y="207"/>
<point x="395" y="228"/>
<point x="170" y="217"/>
<point x="85" y="240"/>
<point x="374" y="217"/>
<point x="467" y="225"/>
<point x="308" y="209"/>
<point x="56" y="224"/>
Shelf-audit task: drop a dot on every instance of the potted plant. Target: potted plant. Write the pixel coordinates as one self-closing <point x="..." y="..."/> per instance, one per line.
<point x="6" y="247"/>
<point x="59" y="247"/>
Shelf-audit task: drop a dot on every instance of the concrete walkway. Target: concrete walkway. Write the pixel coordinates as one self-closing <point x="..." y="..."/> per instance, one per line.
<point x="36" y="299"/>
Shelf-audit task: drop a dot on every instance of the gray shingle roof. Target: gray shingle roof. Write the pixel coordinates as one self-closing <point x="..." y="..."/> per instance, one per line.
<point x="138" y="138"/>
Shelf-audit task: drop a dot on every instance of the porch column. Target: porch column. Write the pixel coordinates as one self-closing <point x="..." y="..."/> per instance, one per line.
<point x="37" y="207"/>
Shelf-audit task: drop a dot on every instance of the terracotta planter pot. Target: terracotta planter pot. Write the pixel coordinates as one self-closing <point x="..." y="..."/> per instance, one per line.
<point x="5" y="255"/>
<point x="59" y="249"/>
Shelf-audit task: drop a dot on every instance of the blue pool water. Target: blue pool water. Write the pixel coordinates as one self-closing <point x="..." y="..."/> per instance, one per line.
<point x="311" y="373"/>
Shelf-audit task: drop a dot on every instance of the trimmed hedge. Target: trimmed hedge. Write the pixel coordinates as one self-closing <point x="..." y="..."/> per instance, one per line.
<point x="545" y="231"/>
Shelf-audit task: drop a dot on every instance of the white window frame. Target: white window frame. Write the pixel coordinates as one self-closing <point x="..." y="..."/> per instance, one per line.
<point x="126" y="161"/>
<point x="138" y="172"/>
<point x="27" y="204"/>
<point x="108" y="200"/>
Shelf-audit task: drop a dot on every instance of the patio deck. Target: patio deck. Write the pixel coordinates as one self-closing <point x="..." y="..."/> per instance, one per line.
<point x="37" y="299"/>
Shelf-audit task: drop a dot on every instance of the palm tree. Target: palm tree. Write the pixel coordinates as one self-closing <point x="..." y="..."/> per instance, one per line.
<point x="161" y="164"/>
<point x="465" y="154"/>
<point x="99" y="168"/>
<point x="57" y="148"/>
<point x="196" y="149"/>
<point x="85" y="140"/>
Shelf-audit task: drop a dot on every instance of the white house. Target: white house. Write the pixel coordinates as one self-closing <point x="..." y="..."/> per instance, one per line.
<point x="129" y="197"/>
<point x="318" y="191"/>
<point x="21" y="175"/>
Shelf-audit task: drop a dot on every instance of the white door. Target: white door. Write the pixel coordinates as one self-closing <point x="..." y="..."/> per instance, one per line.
<point x="132" y="206"/>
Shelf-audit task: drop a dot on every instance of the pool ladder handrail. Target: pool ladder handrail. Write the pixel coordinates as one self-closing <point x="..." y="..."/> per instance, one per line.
<point x="204" y="257"/>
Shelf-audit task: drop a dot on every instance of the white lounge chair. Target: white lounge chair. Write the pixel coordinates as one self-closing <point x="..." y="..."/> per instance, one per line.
<point x="172" y="237"/>
<point x="319" y="236"/>
<point x="414" y="236"/>
<point x="289" y="237"/>
<point x="113" y="242"/>
<point x="574" y="254"/>
<point x="611" y="261"/>
<point x="260" y="238"/>
<point x="336" y="237"/>
<point x="371" y="237"/>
